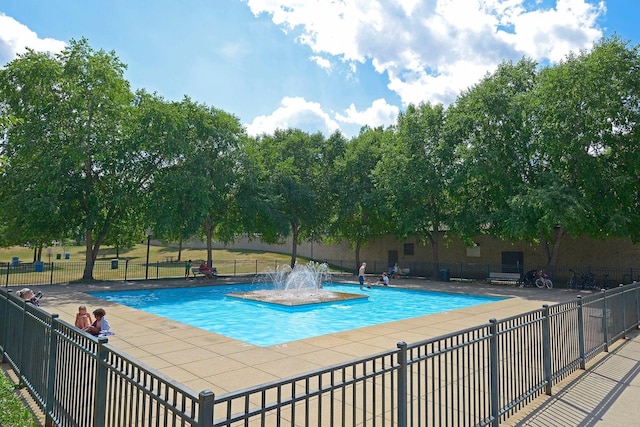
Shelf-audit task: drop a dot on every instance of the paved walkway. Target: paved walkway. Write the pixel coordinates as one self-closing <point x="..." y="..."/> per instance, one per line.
<point x="203" y="360"/>
<point x="607" y="394"/>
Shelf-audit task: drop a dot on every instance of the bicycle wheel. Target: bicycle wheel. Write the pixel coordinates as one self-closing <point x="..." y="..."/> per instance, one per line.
<point x="549" y="283"/>
<point x="540" y="282"/>
<point x="571" y="283"/>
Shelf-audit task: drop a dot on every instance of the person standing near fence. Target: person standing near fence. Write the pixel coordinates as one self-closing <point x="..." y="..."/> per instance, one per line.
<point x="187" y="269"/>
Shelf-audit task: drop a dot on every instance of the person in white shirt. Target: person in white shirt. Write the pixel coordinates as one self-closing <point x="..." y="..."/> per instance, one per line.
<point x="384" y="280"/>
<point x="100" y="327"/>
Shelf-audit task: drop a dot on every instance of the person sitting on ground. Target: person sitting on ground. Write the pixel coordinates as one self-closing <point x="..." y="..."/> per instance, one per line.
<point x="100" y="326"/>
<point x="384" y="280"/>
<point x="396" y="271"/>
<point x="29" y="296"/>
<point x="83" y="319"/>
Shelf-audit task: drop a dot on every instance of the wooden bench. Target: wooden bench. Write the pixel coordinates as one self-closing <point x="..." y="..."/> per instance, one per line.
<point x="503" y="277"/>
<point x="196" y="271"/>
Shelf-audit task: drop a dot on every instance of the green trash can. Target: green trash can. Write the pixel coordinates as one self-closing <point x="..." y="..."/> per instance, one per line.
<point x="444" y="275"/>
<point x="114" y="264"/>
<point x="15" y="261"/>
<point x="66" y="256"/>
<point x="58" y="256"/>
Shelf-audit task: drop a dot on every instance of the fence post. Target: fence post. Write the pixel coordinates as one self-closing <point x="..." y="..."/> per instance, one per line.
<point x="493" y="372"/>
<point x="402" y="384"/>
<point x="636" y="286"/>
<point x="581" y="332"/>
<point x="206" y="400"/>
<point x="5" y="325"/>
<point x="546" y="348"/>
<point x="605" y="332"/>
<point x="51" y="371"/>
<point x="6" y="283"/>
<point x="624" y="312"/>
<point x="100" y="396"/>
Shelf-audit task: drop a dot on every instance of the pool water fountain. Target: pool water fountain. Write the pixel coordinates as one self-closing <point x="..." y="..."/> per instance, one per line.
<point x="298" y="286"/>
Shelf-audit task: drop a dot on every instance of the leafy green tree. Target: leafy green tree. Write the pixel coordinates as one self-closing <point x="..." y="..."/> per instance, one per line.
<point x="196" y="192"/>
<point x="167" y="201"/>
<point x="542" y="155"/>
<point x="360" y="212"/>
<point x="31" y="204"/>
<point x="586" y="111"/>
<point x="496" y="160"/>
<point x="294" y="180"/>
<point x="415" y="175"/>
<point x="74" y="143"/>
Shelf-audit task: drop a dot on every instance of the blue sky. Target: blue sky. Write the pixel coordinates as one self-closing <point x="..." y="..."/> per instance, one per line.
<point x="318" y="65"/>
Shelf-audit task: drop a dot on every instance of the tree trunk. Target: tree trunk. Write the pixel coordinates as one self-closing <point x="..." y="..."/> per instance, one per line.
<point x="552" y="250"/>
<point x="180" y="249"/>
<point x="433" y="240"/>
<point x="358" y="247"/>
<point x="89" y="260"/>
<point x="208" y="229"/>
<point x="294" y="249"/>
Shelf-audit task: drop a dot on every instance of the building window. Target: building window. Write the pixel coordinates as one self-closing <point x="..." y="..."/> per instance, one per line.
<point x="408" y="249"/>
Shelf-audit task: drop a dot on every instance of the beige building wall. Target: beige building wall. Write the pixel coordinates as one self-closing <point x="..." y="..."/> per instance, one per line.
<point x="581" y="252"/>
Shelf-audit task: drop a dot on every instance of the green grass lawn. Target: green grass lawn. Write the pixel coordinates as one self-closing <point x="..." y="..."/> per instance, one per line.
<point x="139" y="254"/>
<point x="131" y="265"/>
<point x="12" y="411"/>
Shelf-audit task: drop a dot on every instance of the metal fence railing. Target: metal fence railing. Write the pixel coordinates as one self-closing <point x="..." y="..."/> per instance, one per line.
<point x="478" y="376"/>
<point x="65" y="271"/>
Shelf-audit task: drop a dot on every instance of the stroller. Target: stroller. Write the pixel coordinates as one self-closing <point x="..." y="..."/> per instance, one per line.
<point x="529" y="278"/>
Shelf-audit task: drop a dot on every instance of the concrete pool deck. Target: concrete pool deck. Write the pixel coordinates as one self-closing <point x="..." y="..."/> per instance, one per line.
<point x="204" y="360"/>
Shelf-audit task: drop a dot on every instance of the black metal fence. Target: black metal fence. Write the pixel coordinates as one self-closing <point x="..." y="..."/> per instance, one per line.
<point x="64" y="271"/>
<point x="478" y="376"/>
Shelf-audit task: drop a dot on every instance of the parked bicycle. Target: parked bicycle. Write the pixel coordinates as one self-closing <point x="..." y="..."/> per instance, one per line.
<point x="537" y="278"/>
<point x="590" y="281"/>
<point x="543" y="280"/>
<point x="575" y="281"/>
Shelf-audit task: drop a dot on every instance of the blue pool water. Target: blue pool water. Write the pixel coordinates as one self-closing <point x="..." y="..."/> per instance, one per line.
<point x="264" y="324"/>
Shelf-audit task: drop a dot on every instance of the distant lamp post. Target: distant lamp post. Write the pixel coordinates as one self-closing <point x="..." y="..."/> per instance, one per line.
<point x="149" y="232"/>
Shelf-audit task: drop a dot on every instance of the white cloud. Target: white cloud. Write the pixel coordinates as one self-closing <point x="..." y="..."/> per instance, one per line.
<point x="15" y="38"/>
<point x="294" y="112"/>
<point x="378" y="114"/>
<point x="432" y="50"/>
<point x="323" y="63"/>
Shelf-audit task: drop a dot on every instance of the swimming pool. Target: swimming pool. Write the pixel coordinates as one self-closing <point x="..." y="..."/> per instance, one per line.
<point x="264" y="324"/>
